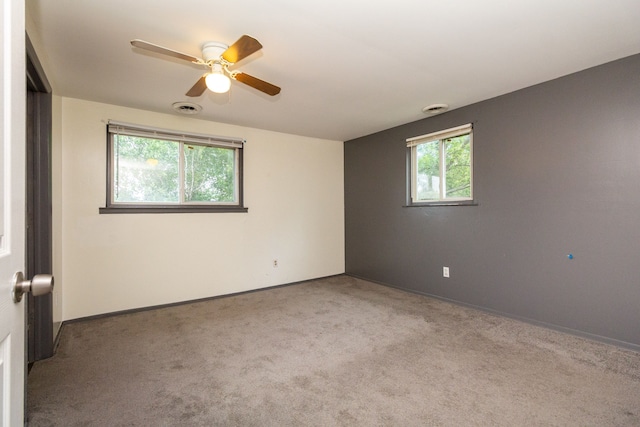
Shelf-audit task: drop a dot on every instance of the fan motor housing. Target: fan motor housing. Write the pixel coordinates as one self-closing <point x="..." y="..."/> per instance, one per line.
<point x="212" y="51"/>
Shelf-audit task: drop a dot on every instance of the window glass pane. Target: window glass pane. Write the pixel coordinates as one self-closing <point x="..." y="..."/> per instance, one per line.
<point x="428" y="178"/>
<point x="146" y="170"/>
<point x="209" y="174"/>
<point x="458" y="167"/>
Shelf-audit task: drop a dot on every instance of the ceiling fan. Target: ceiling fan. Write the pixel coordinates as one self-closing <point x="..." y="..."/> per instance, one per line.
<point x="218" y="57"/>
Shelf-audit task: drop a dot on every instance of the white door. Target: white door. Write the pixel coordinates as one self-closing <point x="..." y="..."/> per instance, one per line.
<point x="12" y="201"/>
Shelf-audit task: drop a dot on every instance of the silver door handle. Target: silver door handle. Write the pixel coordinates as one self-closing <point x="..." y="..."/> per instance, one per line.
<point x="41" y="284"/>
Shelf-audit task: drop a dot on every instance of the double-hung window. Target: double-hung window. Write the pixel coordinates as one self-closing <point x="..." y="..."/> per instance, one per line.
<point x="441" y="166"/>
<point x="158" y="170"/>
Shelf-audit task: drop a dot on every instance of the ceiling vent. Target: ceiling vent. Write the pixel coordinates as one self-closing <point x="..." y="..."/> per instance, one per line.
<point x="186" y="107"/>
<point x="435" y="108"/>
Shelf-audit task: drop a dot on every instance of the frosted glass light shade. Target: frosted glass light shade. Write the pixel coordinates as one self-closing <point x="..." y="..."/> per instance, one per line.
<point x="218" y="82"/>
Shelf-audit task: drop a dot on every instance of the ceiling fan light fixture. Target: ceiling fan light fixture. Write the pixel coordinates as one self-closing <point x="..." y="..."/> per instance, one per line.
<point x="218" y="82"/>
<point x="217" y="56"/>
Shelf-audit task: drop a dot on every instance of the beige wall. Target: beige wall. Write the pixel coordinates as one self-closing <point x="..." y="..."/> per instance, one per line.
<point x="105" y="263"/>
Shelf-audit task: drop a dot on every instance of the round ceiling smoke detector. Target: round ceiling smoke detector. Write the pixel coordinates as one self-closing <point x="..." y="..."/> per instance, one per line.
<point x="186" y="107"/>
<point x="435" y="108"/>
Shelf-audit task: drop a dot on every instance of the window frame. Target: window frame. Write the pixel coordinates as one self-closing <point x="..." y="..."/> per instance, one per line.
<point x="412" y="167"/>
<point x="183" y="138"/>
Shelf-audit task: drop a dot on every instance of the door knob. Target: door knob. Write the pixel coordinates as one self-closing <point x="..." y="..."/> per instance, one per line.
<point x="41" y="284"/>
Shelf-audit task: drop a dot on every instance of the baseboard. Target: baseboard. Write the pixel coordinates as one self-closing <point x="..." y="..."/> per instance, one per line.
<point x="558" y="328"/>
<point x="174" y="304"/>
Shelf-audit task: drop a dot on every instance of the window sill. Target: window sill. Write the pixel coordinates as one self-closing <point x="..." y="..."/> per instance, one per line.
<point x="169" y="209"/>
<point x="439" y="204"/>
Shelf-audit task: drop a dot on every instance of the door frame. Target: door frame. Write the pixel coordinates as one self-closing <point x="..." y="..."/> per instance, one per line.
<point x="39" y="244"/>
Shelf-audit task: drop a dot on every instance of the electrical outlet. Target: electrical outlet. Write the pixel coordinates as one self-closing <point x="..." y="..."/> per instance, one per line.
<point x="275" y="263"/>
<point x="445" y="271"/>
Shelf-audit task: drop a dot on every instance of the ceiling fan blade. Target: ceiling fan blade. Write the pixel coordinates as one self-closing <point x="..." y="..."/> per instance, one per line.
<point x="163" y="50"/>
<point x="198" y="88"/>
<point x="243" y="47"/>
<point x="256" y="83"/>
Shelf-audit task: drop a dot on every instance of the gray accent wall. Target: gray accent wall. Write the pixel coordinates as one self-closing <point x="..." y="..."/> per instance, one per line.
<point x="556" y="172"/>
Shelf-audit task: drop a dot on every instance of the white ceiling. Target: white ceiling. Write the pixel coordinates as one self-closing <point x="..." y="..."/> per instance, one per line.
<point x="347" y="68"/>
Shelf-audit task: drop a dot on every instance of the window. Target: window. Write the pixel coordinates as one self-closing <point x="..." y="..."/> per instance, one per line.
<point x="441" y="166"/>
<point x="156" y="170"/>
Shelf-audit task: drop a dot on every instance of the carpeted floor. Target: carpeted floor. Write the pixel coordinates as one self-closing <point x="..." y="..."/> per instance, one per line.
<point x="332" y="352"/>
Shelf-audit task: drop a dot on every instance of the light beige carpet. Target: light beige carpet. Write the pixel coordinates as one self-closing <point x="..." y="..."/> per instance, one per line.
<point x="333" y="352"/>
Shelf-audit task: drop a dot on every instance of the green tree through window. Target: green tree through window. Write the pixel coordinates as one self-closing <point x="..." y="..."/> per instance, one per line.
<point x="146" y="170"/>
<point x="458" y="166"/>
<point x="209" y="174"/>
